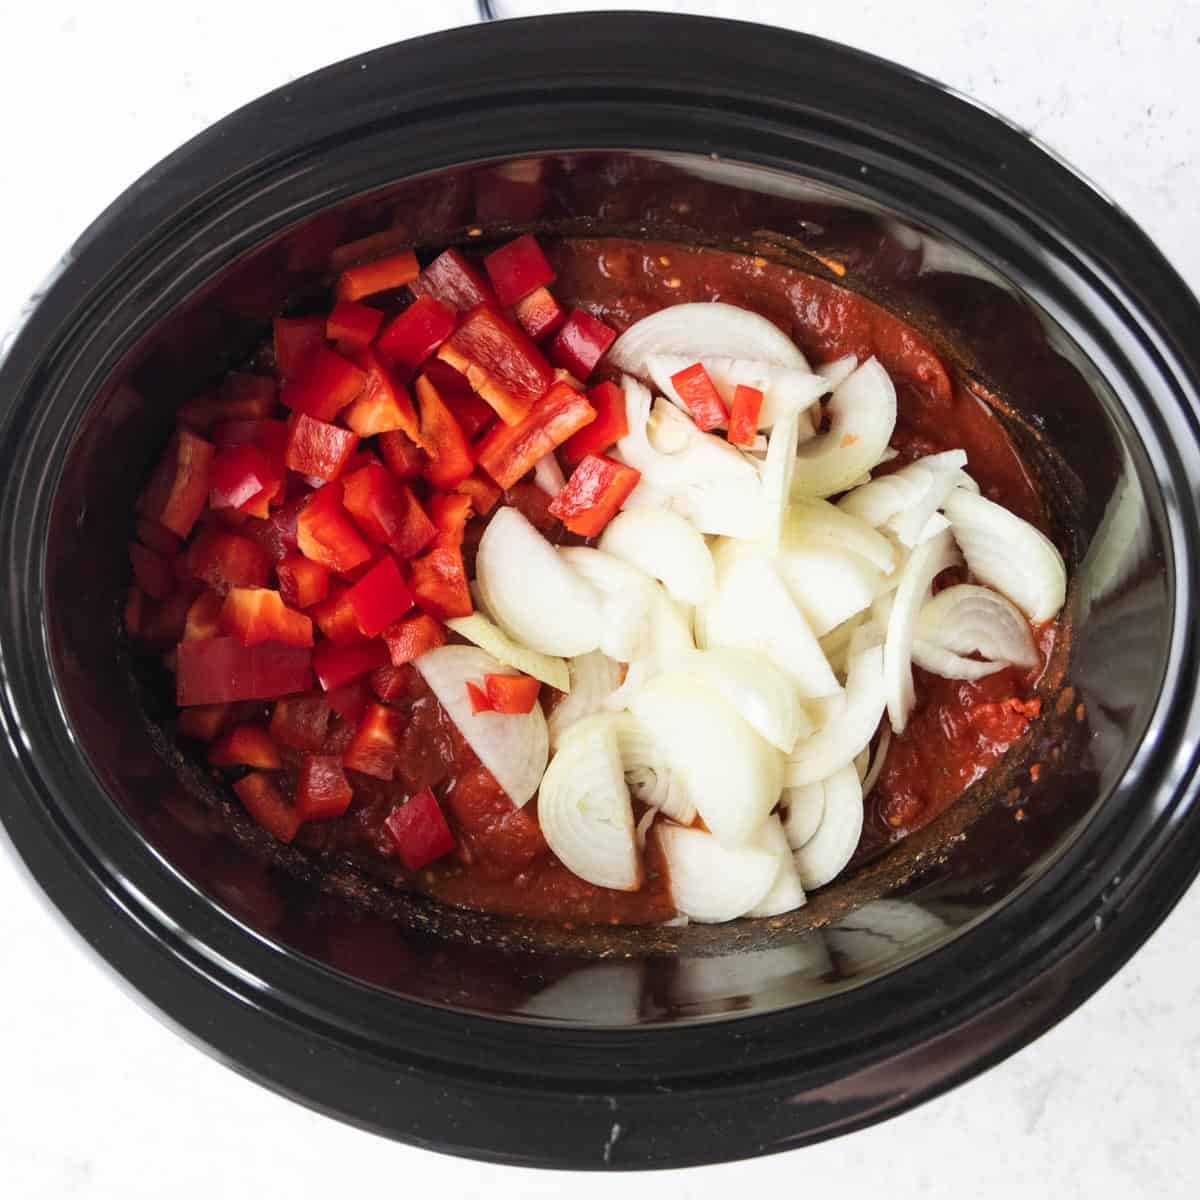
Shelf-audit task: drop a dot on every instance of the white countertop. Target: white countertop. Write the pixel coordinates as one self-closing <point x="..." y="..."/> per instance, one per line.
<point x="101" y="1100"/>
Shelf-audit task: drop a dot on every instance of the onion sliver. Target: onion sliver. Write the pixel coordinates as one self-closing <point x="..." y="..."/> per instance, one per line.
<point x="778" y="471"/>
<point x="924" y="564"/>
<point x="837" y="372"/>
<point x="664" y="546"/>
<point x="829" y="585"/>
<point x="947" y="664"/>
<point x="814" y="522"/>
<point x="878" y="759"/>
<point x="512" y="746"/>
<point x="585" y="812"/>
<point x="825" y="855"/>
<point x="626" y="597"/>
<point x="862" y="415"/>
<point x="786" y="893"/>
<point x="804" y="806"/>
<point x="487" y="636"/>
<point x="732" y="775"/>
<point x="1008" y="554"/>
<point x="711" y="882"/>
<point x="548" y="475"/>
<point x="531" y="593"/>
<point x="969" y="619"/>
<point x="648" y="776"/>
<point x="878" y="501"/>
<point x="910" y="526"/>
<point x="593" y="678"/>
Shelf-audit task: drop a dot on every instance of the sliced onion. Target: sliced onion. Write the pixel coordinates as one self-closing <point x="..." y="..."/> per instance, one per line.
<point x="851" y="727"/>
<point x="829" y="585"/>
<point x="785" y="894"/>
<point x="649" y="777"/>
<point x="878" y="759"/>
<point x="478" y="629"/>
<point x="836" y="373"/>
<point x="778" y="472"/>
<point x="548" y="475"/>
<point x="584" y="809"/>
<point x="751" y="609"/>
<point x="907" y="490"/>
<point x="804" y="806"/>
<point x="644" y="824"/>
<point x="626" y="597"/>
<point x="665" y="547"/>
<point x="732" y="775"/>
<point x="711" y="882"/>
<point x="835" y="645"/>
<point x="532" y="594"/>
<point x="969" y="619"/>
<point x="593" y="678"/>
<point x="814" y="522"/>
<point x="825" y="855"/>
<point x="512" y="746"/>
<point x="862" y="414"/>
<point x="1008" y="554"/>
<point x="947" y="664"/>
<point x="924" y="564"/>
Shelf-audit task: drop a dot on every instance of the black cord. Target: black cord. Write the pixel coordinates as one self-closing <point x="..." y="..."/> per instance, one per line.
<point x="487" y="10"/>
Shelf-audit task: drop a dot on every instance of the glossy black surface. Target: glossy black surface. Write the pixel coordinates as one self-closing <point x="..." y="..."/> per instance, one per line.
<point x="1040" y="292"/>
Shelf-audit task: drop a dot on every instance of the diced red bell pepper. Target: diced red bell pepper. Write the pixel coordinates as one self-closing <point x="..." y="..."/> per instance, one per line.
<point x="204" y="618"/>
<point x="374" y="750"/>
<point x="581" y="343"/>
<point x="268" y="434"/>
<point x="218" y="670"/>
<point x="317" y="449"/>
<point x="325" y="533"/>
<point x="245" y="746"/>
<point x="379" y="276"/>
<point x="254" y="615"/>
<point x="744" y="414"/>
<point x="157" y="537"/>
<point x="594" y="494"/>
<point x="324" y="385"/>
<point x="283" y="538"/>
<point x="368" y="249"/>
<point x="455" y="281"/>
<point x="384" y="404"/>
<point x="534" y="505"/>
<point x="411" y="637"/>
<point x="336" y="665"/>
<point x="387" y="511"/>
<point x="301" y="723"/>
<point x="390" y="682"/>
<point x="450" y="457"/>
<point x="700" y="396"/>
<point x="450" y="515"/>
<point x="380" y="597"/>
<point x="203" y="722"/>
<point x="246" y="397"/>
<point x="439" y="584"/>
<point x="511" y="693"/>
<point x="510" y="451"/>
<point x="135" y="600"/>
<point x="296" y="340"/>
<point x="484" y="494"/>
<point x="500" y="362"/>
<point x="154" y="573"/>
<point x="518" y="268"/>
<point x="417" y="332"/>
<point x="350" y="699"/>
<point x="302" y="582"/>
<point x="239" y="474"/>
<point x="224" y="560"/>
<point x="419" y="831"/>
<point x="352" y="326"/>
<point x="472" y="414"/>
<point x="404" y="458"/>
<point x="264" y="801"/>
<point x="335" y="618"/>
<point x="178" y="489"/>
<point x="609" y="427"/>
<point x="539" y="314"/>
<point x="478" y="698"/>
<point x="322" y="791"/>
<point x="163" y="621"/>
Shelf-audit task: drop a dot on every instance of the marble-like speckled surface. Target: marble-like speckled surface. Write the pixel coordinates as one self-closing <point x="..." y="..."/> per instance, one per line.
<point x="100" y="1100"/>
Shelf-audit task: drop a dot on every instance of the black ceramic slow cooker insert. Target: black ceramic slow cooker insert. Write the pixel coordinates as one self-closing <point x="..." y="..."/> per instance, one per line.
<point x="614" y="1048"/>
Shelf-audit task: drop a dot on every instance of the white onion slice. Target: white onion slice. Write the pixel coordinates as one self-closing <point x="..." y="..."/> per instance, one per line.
<point x="882" y="499"/>
<point x="825" y="855"/>
<point x="829" y="585"/>
<point x="487" y="636"/>
<point x="911" y="525"/>
<point x="813" y="522"/>
<point x="532" y="594"/>
<point x="1008" y="554"/>
<point x="878" y="759"/>
<point x="732" y="775"/>
<point x="593" y="678"/>
<point x="785" y="894"/>
<point x="664" y="546"/>
<point x="924" y="564"/>
<point x="584" y="809"/>
<point x="548" y="475"/>
<point x="968" y="619"/>
<point x="778" y="472"/>
<point x="862" y="415"/>
<point x="804" y="806"/>
<point x="947" y="664"/>
<point x="648" y="776"/>
<point x="836" y="373"/>
<point x="512" y="746"/>
<point x="711" y="882"/>
<point x="626" y="597"/>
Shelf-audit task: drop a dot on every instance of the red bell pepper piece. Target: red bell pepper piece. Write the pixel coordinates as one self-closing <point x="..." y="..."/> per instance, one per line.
<point x="204" y="618"/>
<point x="380" y="597"/>
<point x="510" y="451"/>
<point x="455" y="281"/>
<point x="439" y="584"/>
<point x="594" y="494"/>
<point x="384" y="404"/>
<point x="450" y="457"/>
<point x="581" y="343"/>
<point x="518" y="268"/>
<point x="744" y="414"/>
<point x="162" y="621"/>
<point x="203" y="722"/>
<point x="301" y="723"/>
<point x="245" y="746"/>
<point x="154" y="573"/>
<point x="317" y="449"/>
<point x="390" y="682"/>
<point x="405" y="460"/>
<point x="268" y="434"/>
<point x="335" y="618"/>
<point x="352" y="326"/>
<point x="296" y="340"/>
<point x="336" y="665"/>
<point x="609" y="427"/>
<point x="325" y="533"/>
<point x="178" y="489"/>
<point x="224" y="560"/>
<point x="218" y="670"/>
<point x="511" y="693"/>
<point x="237" y="475"/>
<point x="699" y="394"/>
<point x="324" y="385"/>
<point x="478" y="698"/>
<point x="254" y="615"/>
<point x="242" y="397"/>
<point x="374" y="750"/>
<point x="484" y="494"/>
<point x="500" y="362"/>
<point x="382" y="275"/>
<point x="350" y="699"/>
<point x="411" y="637"/>
<point x="419" y="831"/>
<point x="472" y="414"/>
<point x="539" y="314"/>
<point x="322" y="791"/>
<point x="157" y="537"/>
<point x="264" y="801"/>
<point x="302" y="582"/>
<point x="417" y="332"/>
<point x="387" y="511"/>
<point x="450" y="514"/>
